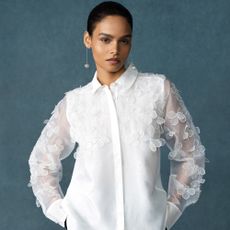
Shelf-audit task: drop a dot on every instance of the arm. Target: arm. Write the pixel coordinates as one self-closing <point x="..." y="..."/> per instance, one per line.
<point x="187" y="155"/>
<point x="53" y="145"/>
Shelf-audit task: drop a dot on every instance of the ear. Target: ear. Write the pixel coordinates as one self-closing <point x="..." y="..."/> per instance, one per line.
<point x="87" y="39"/>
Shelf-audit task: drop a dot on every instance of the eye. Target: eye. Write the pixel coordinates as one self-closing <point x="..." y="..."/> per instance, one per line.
<point x="105" y="40"/>
<point x="125" y="41"/>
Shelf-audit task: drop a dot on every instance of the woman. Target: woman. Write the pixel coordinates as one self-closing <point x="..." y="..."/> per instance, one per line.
<point x="120" y="120"/>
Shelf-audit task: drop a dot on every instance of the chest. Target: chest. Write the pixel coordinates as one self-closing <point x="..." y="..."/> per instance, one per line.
<point x="137" y="114"/>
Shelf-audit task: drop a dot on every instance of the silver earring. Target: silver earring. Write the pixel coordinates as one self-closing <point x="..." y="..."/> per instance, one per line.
<point x="86" y="65"/>
<point x="131" y="61"/>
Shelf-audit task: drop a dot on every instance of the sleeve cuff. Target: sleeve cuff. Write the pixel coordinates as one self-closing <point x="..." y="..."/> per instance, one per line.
<point x="172" y="214"/>
<point x="56" y="213"/>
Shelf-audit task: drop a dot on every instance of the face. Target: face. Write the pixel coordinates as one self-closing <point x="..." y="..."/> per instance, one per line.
<point x="111" y="38"/>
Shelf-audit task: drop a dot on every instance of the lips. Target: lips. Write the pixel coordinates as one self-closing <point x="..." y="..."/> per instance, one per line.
<point x="113" y="60"/>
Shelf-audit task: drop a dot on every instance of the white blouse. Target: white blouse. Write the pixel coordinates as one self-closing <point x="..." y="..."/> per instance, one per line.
<point x="116" y="182"/>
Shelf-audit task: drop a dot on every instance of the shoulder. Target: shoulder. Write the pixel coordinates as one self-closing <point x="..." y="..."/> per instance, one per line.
<point x="151" y="79"/>
<point x="159" y="78"/>
<point x="78" y="90"/>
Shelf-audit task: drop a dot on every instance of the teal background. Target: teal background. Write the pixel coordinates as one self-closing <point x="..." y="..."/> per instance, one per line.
<point x="42" y="56"/>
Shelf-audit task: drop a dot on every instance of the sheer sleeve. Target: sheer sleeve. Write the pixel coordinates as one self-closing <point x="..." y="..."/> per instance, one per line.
<point x="187" y="154"/>
<point x="53" y="145"/>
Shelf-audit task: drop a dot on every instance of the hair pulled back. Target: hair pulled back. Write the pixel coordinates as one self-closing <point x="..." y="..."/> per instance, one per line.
<point x="104" y="9"/>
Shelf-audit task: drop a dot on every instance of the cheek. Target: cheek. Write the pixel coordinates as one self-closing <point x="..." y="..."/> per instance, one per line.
<point x="99" y="49"/>
<point x="126" y="50"/>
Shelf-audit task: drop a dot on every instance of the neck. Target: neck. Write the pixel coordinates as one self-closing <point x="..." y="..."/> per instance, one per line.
<point x="106" y="78"/>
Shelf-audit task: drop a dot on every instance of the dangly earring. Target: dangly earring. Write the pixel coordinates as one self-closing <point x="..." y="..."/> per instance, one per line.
<point x="131" y="61"/>
<point x="86" y="65"/>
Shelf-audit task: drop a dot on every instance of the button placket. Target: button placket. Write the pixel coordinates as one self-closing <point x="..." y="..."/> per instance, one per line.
<point x="117" y="154"/>
<point x="114" y="90"/>
<point x="116" y="93"/>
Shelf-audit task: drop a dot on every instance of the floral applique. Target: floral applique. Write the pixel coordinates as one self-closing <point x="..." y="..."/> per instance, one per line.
<point x="156" y="143"/>
<point x="175" y="118"/>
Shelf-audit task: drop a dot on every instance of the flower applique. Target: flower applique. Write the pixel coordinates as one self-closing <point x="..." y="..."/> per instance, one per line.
<point x="156" y="143"/>
<point x="189" y="132"/>
<point x="100" y="141"/>
<point x="194" y="170"/>
<point x="159" y="120"/>
<point x="200" y="149"/>
<point x="177" y="153"/>
<point x="45" y="121"/>
<point x="186" y="191"/>
<point x="143" y="115"/>
<point x="56" y="147"/>
<point x="169" y="133"/>
<point x="38" y="203"/>
<point x="200" y="180"/>
<point x="176" y="117"/>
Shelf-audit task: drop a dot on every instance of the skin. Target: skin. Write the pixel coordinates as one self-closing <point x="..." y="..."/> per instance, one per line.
<point x="111" y="38"/>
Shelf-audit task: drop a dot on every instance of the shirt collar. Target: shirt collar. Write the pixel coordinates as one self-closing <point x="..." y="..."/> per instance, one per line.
<point x="124" y="82"/>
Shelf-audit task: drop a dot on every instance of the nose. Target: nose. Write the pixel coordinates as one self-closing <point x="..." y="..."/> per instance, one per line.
<point x="114" y="48"/>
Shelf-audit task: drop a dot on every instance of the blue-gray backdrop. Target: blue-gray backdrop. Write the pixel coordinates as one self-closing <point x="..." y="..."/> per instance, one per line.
<point x="42" y="56"/>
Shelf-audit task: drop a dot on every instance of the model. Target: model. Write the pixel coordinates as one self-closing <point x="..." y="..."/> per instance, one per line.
<point x="120" y="119"/>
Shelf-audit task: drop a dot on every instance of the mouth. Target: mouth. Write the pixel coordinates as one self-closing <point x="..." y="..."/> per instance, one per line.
<point x="113" y="61"/>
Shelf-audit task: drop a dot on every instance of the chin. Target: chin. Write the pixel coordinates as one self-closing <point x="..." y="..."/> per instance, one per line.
<point x="114" y="68"/>
<point x="111" y="68"/>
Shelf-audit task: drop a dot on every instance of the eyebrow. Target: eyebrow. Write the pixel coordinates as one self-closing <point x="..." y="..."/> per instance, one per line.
<point x="109" y="35"/>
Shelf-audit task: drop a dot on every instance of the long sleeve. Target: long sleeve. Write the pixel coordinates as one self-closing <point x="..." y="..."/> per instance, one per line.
<point x="53" y="145"/>
<point x="187" y="154"/>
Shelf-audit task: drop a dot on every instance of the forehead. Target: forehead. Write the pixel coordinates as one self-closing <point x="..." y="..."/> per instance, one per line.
<point x="114" y="25"/>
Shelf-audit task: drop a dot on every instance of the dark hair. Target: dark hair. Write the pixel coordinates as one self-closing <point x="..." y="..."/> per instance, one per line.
<point x="105" y="9"/>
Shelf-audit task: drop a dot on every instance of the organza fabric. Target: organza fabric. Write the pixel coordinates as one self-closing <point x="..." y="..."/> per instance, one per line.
<point x="116" y="181"/>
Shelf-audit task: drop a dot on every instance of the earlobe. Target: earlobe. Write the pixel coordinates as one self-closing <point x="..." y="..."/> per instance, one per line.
<point x="87" y="40"/>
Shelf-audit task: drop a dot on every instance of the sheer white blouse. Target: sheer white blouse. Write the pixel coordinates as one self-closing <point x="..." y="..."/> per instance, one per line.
<point x="116" y="182"/>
